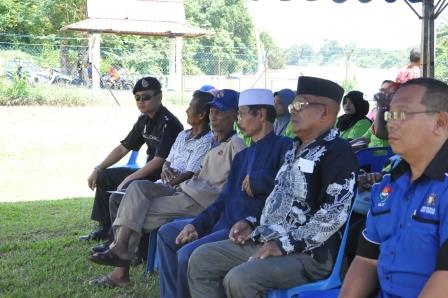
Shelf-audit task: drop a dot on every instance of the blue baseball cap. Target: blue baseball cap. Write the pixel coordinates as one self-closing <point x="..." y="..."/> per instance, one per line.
<point x="206" y="88"/>
<point x="225" y="99"/>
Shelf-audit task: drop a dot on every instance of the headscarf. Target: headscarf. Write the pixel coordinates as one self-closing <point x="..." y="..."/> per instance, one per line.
<point x="361" y="109"/>
<point x="286" y="98"/>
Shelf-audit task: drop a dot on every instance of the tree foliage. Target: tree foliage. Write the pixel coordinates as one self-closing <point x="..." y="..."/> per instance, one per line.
<point x="231" y="48"/>
<point x="274" y="56"/>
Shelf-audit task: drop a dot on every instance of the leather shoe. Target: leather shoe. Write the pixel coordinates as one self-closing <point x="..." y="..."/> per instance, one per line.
<point x="95" y="235"/>
<point x="101" y="248"/>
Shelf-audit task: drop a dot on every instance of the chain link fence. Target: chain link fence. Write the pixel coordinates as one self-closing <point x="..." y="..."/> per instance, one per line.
<point x="58" y="64"/>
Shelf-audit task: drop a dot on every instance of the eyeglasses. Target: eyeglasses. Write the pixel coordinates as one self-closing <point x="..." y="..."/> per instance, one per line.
<point x="383" y="96"/>
<point x="300" y="103"/>
<point x="145" y="97"/>
<point x="402" y="115"/>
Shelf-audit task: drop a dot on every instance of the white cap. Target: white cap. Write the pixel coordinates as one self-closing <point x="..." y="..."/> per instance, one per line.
<point x="252" y="97"/>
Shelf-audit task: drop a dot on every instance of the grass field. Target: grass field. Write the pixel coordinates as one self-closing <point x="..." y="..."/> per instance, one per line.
<point x="48" y="152"/>
<point x="41" y="256"/>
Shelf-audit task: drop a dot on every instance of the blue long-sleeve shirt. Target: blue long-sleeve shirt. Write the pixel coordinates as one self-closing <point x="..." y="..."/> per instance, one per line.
<point x="261" y="162"/>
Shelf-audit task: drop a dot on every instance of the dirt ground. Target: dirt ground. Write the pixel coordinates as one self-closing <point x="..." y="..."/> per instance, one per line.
<point x="48" y="152"/>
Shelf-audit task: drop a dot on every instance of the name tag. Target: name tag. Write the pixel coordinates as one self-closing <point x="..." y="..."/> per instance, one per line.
<point x="306" y="166"/>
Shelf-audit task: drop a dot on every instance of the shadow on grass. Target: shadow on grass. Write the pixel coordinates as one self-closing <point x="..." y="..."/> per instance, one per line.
<point x="41" y="255"/>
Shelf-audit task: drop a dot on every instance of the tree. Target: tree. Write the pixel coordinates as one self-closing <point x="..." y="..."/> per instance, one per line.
<point x="275" y="58"/>
<point x="232" y="47"/>
<point x="300" y="55"/>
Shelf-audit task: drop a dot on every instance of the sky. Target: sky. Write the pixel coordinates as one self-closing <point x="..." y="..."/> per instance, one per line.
<point x="377" y="24"/>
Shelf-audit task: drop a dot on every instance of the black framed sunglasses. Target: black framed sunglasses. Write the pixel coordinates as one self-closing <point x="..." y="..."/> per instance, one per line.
<point x="146" y="97"/>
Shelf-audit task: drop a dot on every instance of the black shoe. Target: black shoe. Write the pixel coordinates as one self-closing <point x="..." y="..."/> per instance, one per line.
<point x="97" y="235"/>
<point x="101" y="248"/>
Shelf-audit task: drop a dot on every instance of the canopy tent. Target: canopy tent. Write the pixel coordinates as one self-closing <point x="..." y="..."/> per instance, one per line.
<point x="151" y="17"/>
<point x="430" y="12"/>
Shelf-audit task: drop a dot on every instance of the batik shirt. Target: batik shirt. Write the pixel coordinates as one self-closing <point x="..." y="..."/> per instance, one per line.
<point x="312" y="196"/>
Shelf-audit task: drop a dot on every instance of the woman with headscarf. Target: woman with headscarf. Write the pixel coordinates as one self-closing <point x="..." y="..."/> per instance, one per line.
<point x="282" y="99"/>
<point x="354" y="123"/>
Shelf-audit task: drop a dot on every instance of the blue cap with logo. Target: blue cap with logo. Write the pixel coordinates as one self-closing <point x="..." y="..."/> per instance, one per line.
<point x="225" y="99"/>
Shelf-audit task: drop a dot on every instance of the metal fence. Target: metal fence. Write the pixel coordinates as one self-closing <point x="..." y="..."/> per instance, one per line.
<point x="65" y="62"/>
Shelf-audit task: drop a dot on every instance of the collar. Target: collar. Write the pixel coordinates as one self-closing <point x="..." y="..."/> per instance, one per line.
<point x="197" y="137"/>
<point x="327" y="136"/>
<point x="267" y="138"/>
<point x="160" y="112"/>
<point x="435" y="170"/>
<point x="225" y="139"/>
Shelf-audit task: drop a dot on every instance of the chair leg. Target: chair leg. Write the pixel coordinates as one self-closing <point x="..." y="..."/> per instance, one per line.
<point x="152" y="262"/>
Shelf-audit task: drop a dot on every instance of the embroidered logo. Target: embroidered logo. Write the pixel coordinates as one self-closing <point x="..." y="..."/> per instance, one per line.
<point x="220" y="94"/>
<point x="145" y="83"/>
<point x="385" y="193"/>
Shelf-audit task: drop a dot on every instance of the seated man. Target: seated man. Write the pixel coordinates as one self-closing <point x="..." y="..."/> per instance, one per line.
<point x="296" y="239"/>
<point x="146" y="205"/>
<point x="250" y="180"/>
<point x="156" y="127"/>
<point x="404" y="247"/>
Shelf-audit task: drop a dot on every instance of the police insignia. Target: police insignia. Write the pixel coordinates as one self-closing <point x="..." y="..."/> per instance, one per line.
<point x="385" y="193"/>
<point x="145" y="84"/>
<point x="220" y="94"/>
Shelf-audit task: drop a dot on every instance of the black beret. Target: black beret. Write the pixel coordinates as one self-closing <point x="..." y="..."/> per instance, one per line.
<point x="147" y="83"/>
<point x="320" y="87"/>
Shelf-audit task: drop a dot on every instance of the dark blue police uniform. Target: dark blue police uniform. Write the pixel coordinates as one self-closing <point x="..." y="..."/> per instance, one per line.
<point x="407" y="227"/>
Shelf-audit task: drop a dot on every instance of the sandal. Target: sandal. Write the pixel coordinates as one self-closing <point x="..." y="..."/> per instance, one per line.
<point x="109" y="258"/>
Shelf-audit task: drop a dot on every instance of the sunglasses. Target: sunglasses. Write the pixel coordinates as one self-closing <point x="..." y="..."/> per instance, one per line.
<point x="300" y="103"/>
<point x="145" y="97"/>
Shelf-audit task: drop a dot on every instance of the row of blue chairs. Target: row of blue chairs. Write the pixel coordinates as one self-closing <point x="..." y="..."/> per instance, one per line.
<point x="371" y="160"/>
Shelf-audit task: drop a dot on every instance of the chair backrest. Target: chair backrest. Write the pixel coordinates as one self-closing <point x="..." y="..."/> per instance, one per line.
<point x="373" y="159"/>
<point x="336" y="272"/>
<point x="132" y="162"/>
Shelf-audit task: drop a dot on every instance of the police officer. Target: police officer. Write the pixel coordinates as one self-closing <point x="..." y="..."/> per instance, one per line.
<point x="404" y="247"/>
<point x="158" y="128"/>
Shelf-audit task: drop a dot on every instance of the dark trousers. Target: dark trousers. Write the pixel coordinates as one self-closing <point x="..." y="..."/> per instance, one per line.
<point x="173" y="260"/>
<point x="108" y="180"/>
<point x="357" y="225"/>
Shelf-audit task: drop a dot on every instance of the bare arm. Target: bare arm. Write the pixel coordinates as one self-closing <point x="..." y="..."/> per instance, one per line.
<point x="361" y="279"/>
<point x="437" y="285"/>
<point x="380" y="123"/>
<point x="112" y="158"/>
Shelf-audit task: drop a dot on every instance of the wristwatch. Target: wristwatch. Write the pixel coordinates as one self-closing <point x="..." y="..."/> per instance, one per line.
<point x="98" y="169"/>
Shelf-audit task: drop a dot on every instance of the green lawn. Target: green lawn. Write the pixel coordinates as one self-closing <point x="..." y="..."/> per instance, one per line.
<point x="41" y="256"/>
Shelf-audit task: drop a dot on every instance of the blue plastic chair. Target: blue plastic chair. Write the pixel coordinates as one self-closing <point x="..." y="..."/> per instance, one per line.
<point x="132" y="162"/>
<point x="322" y="288"/>
<point x="373" y="159"/>
<point x="152" y="260"/>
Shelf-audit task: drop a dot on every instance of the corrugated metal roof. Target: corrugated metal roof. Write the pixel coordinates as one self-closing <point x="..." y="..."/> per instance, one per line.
<point x="137" y="27"/>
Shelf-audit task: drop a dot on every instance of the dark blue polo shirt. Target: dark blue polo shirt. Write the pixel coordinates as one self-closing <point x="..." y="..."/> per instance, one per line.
<point x="407" y="227"/>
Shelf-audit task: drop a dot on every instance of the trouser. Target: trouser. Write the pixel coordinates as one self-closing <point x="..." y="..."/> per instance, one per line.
<point x="222" y="269"/>
<point x="173" y="260"/>
<point x="357" y="225"/>
<point x="108" y="180"/>
<point x="147" y="205"/>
